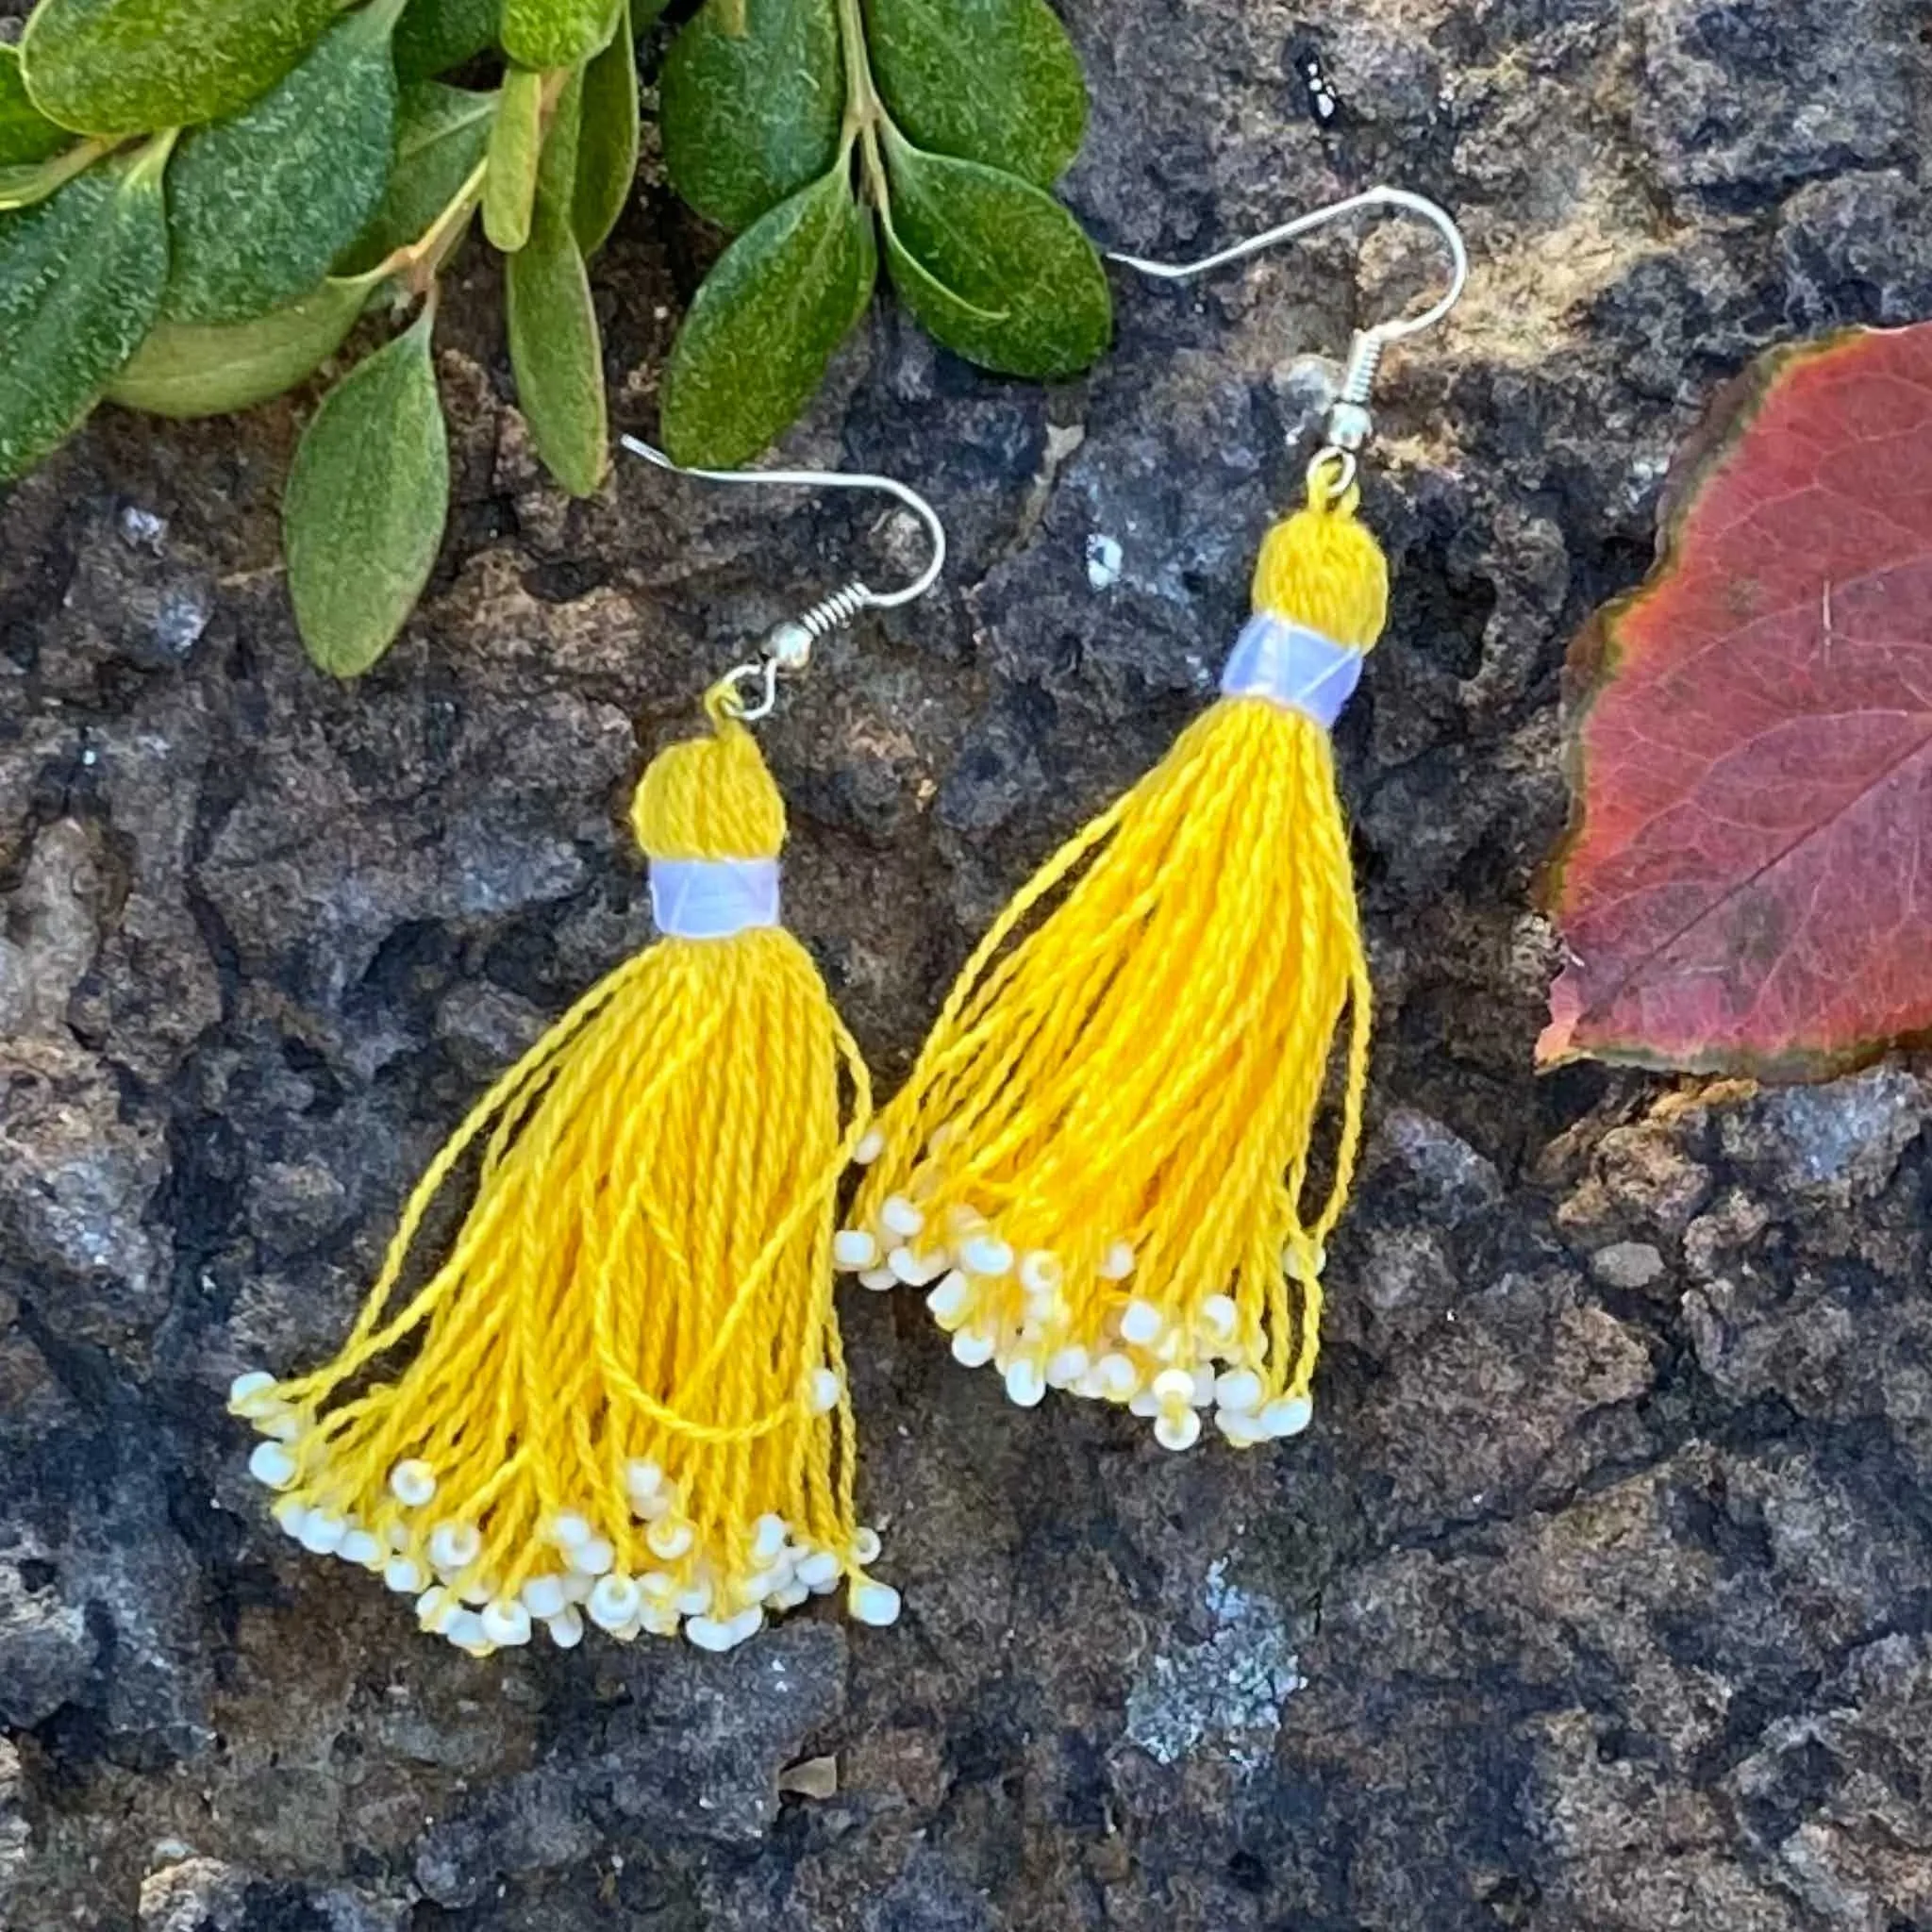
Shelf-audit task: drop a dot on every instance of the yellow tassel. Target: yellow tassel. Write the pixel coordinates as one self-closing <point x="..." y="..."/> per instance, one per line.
<point x="621" y="1394"/>
<point x="1100" y="1162"/>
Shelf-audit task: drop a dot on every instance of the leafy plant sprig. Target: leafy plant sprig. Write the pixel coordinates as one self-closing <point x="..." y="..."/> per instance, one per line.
<point x="829" y="132"/>
<point x="199" y="200"/>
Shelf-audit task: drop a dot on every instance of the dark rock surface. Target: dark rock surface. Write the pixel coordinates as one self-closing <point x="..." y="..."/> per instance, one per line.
<point x="1600" y="1596"/>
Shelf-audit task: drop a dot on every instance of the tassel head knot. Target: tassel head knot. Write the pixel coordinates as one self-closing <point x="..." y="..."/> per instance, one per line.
<point x="1322" y="568"/>
<point x="709" y="798"/>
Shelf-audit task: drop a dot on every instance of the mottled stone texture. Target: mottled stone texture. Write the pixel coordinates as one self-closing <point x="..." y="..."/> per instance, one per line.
<point x="1600" y="1595"/>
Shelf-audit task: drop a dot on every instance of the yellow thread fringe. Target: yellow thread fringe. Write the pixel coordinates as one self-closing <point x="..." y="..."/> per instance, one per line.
<point x="623" y="1384"/>
<point x="1102" y="1154"/>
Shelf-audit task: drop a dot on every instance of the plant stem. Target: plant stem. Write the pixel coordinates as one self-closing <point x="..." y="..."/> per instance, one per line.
<point x="864" y="111"/>
<point x="416" y="264"/>
<point x="21" y="187"/>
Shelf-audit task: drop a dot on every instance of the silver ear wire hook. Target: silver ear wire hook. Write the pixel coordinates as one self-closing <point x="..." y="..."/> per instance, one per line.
<point x="1350" y="424"/>
<point x="788" y="647"/>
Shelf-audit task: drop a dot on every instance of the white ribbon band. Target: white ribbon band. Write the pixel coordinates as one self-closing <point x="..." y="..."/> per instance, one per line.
<point x="1292" y="666"/>
<point x="713" y="898"/>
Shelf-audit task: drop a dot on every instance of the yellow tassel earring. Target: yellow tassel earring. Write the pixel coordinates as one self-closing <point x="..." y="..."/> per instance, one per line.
<point x="1100" y="1168"/>
<point x="619" y="1395"/>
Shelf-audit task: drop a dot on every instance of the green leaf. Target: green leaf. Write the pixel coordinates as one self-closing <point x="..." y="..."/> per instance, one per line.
<point x="994" y="267"/>
<point x="190" y="369"/>
<point x="748" y="120"/>
<point x="985" y="80"/>
<point x="608" y="140"/>
<point x="258" y="206"/>
<point x="516" y="141"/>
<point x="441" y="134"/>
<point x="433" y="36"/>
<point x="26" y="134"/>
<point x="126" y="66"/>
<point x="765" y="324"/>
<point x="555" y="348"/>
<point x="368" y="496"/>
<point x="80" y="279"/>
<point x="556" y="33"/>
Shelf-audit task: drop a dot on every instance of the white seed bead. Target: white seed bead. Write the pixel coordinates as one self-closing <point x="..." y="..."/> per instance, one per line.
<point x="901" y="1218"/>
<point x="280" y="1428"/>
<point x="578" y="1586"/>
<point x="869" y="1148"/>
<point x="853" y="1248"/>
<point x="658" y="1623"/>
<point x="880" y="1280"/>
<point x="1204" y="1385"/>
<point x="819" y="1571"/>
<point x="1219" y="1316"/>
<point x="1089" y="1386"/>
<point x="615" y="1602"/>
<point x="985" y="1254"/>
<point x="642" y="1479"/>
<point x="915" y="1269"/>
<point x="876" y="1604"/>
<point x="763" y="1583"/>
<point x="1239" y="1390"/>
<point x="566" y="1629"/>
<point x="291" y="1515"/>
<point x="405" y="1575"/>
<point x="362" y="1548"/>
<point x="543" y="1596"/>
<point x="595" y="1558"/>
<point x="1026" y="1383"/>
<point x="436" y="1608"/>
<point x="1240" y="1427"/>
<point x="1118" y="1376"/>
<point x="747" y="1623"/>
<point x="694" y="1600"/>
<point x="1041" y="1273"/>
<point x="455" y="1545"/>
<point x="1141" y="1323"/>
<point x="507" y="1623"/>
<point x="707" y="1633"/>
<point x="1173" y="1388"/>
<point x="670" y="1538"/>
<point x="1144" y="1403"/>
<point x="476" y="1593"/>
<point x="768" y="1540"/>
<point x="1067" y="1367"/>
<point x="465" y="1630"/>
<point x="570" y="1529"/>
<point x="972" y="1349"/>
<point x="865" y="1545"/>
<point x="322" y="1532"/>
<point x="246" y="1393"/>
<point x="952" y="1298"/>
<point x="413" y="1483"/>
<point x="1116" y="1263"/>
<point x="1178" y="1429"/>
<point x="1288" y="1416"/>
<point x="788" y="1598"/>
<point x="826" y="1388"/>
<point x="271" y="1464"/>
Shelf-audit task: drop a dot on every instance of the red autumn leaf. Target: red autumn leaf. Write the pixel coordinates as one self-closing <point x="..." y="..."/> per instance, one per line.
<point x="1746" y="885"/>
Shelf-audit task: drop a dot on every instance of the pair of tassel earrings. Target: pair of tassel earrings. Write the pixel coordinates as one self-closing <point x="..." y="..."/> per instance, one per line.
<point x="620" y="1396"/>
